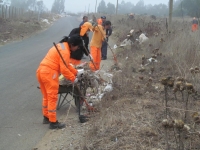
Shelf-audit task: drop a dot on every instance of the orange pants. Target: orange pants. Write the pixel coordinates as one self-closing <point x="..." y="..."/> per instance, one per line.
<point x="75" y="62"/>
<point x="96" y="54"/>
<point x="49" y="85"/>
<point x="194" y="27"/>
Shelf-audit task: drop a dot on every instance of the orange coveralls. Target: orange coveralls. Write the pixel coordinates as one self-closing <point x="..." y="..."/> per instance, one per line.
<point x="95" y="46"/>
<point x="75" y="61"/>
<point x="48" y="73"/>
<point x="194" y="25"/>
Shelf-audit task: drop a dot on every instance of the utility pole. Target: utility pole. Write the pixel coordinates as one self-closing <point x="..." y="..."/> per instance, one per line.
<point x="117" y="7"/>
<point x="96" y="7"/>
<point x="88" y="9"/>
<point x="170" y="13"/>
<point x="182" y="9"/>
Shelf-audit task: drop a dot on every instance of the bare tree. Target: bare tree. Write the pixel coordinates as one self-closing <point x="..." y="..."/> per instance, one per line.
<point x="96" y="7"/>
<point x="117" y="7"/>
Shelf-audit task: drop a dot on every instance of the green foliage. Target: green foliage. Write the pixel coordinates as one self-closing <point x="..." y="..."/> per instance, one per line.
<point x="58" y="6"/>
<point x="125" y="7"/>
<point x="140" y="7"/>
<point x="28" y="4"/>
<point x="157" y="10"/>
<point x="192" y="7"/>
<point x="110" y="8"/>
<point x="102" y="7"/>
<point x="31" y="4"/>
<point x="18" y="3"/>
<point x="128" y="7"/>
<point x="187" y="7"/>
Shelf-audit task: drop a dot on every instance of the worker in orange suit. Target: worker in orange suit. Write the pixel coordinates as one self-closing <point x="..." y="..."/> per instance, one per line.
<point x="76" y="56"/>
<point x="48" y="76"/>
<point x="194" y="24"/>
<point x="101" y="20"/>
<point x="98" y="37"/>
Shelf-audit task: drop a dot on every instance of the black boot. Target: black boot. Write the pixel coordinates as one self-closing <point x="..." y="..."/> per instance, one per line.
<point x="83" y="118"/>
<point x="46" y="120"/>
<point x="56" y="125"/>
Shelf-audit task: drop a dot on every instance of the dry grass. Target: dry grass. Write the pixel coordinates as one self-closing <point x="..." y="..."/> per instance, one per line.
<point x="19" y="28"/>
<point x="131" y="115"/>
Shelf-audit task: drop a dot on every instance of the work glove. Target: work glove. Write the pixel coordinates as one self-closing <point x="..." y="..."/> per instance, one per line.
<point x="83" y="42"/>
<point x="80" y="73"/>
<point x="75" y="81"/>
<point x="91" y="58"/>
<point x="106" y="39"/>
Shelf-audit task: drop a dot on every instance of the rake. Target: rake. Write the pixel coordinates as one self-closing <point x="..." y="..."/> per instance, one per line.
<point x="114" y="56"/>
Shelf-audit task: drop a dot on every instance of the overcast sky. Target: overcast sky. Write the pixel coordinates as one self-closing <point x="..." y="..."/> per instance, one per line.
<point x="81" y="5"/>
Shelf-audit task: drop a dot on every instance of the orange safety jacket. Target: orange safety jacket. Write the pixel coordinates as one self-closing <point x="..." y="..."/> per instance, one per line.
<point x="98" y="36"/>
<point x="85" y="27"/>
<point x="53" y="61"/>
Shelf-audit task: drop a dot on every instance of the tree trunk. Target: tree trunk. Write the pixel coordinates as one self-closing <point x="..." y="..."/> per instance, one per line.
<point x="117" y="7"/>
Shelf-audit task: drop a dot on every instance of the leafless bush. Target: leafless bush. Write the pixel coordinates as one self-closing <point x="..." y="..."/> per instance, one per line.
<point x="19" y="28"/>
<point x="132" y="115"/>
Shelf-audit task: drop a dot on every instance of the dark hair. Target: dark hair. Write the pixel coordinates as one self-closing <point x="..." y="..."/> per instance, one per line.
<point x="65" y="39"/>
<point x="107" y="23"/>
<point x="85" y="17"/>
<point x="74" y="40"/>
<point x="103" y="17"/>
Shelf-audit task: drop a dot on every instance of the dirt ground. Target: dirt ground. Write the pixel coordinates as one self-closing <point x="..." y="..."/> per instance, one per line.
<point x="73" y="136"/>
<point x="131" y="116"/>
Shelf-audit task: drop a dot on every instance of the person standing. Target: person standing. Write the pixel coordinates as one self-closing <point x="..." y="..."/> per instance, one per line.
<point x="85" y="19"/>
<point x="105" y="44"/>
<point x="194" y="24"/>
<point x="48" y="77"/>
<point x="98" y="37"/>
<point x="101" y="20"/>
<point x="76" y="56"/>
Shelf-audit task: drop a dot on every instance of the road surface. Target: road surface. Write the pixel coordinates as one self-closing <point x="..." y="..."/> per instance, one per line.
<point x="21" y="125"/>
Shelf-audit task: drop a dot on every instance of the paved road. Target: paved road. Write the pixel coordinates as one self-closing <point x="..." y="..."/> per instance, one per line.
<point x="20" y="101"/>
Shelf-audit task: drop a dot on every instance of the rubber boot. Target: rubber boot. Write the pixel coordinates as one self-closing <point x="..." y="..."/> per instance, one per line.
<point x="46" y="120"/>
<point x="56" y="125"/>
